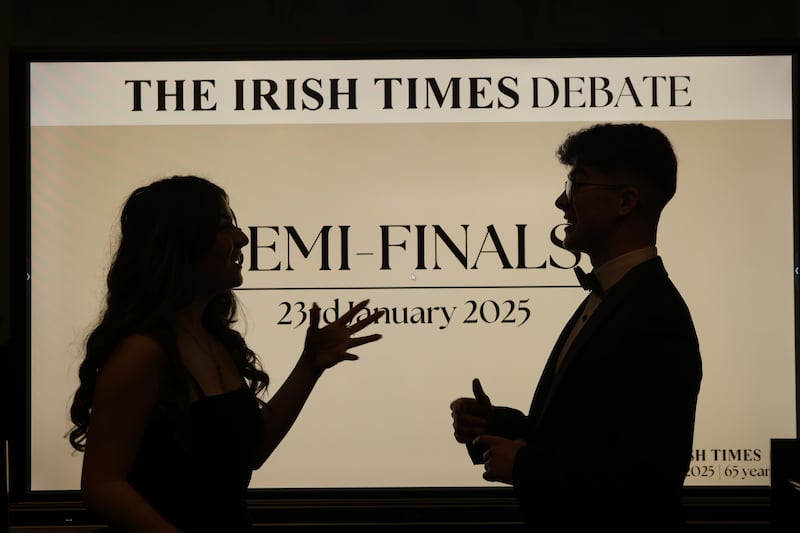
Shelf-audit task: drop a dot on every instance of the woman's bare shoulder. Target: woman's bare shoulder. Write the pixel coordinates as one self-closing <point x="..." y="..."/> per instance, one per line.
<point x="138" y="358"/>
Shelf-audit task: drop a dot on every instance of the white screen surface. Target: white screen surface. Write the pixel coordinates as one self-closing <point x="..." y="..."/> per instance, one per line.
<point x="389" y="153"/>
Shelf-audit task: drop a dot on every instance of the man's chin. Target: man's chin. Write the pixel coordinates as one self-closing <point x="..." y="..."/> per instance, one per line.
<point x="574" y="246"/>
<point x="571" y="244"/>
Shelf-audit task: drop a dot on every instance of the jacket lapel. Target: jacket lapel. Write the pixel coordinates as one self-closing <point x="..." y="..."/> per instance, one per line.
<point x="546" y="381"/>
<point x="550" y="379"/>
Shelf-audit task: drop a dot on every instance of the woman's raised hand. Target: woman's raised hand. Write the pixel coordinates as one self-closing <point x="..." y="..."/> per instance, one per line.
<point x="331" y="344"/>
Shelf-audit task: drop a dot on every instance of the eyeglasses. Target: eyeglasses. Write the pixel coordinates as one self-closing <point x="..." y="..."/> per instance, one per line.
<point x="570" y="186"/>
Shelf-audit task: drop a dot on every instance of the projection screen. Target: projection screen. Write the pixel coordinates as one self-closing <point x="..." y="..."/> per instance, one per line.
<point x="427" y="186"/>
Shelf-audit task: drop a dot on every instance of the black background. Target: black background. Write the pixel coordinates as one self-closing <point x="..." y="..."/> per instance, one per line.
<point x="357" y="28"/>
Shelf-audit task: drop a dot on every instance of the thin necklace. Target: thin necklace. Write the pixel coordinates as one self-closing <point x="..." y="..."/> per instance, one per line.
<point x="210" y="351"/>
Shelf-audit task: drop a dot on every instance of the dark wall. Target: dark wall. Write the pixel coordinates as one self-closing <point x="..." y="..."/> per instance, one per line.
<point x="362" y="27"/>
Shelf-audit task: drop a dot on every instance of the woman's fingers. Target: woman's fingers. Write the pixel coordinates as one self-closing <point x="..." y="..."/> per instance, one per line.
<point x="358" y="341"/>
<point x="364" y="322"/>
<point x="345" y="318"/>
<point x="313" y="316"/>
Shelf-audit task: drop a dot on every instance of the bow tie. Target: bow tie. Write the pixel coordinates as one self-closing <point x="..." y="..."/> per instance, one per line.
<point x="588" y="281"/>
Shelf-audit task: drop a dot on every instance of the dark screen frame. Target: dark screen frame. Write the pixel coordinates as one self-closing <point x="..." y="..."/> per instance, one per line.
<point x="490" y="507"/>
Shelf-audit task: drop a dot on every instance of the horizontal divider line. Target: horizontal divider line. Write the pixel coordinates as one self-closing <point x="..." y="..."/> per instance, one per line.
<point x="413" y="287"/>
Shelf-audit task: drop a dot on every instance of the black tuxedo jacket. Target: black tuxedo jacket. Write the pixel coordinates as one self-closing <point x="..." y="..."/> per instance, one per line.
<point x="609" y="436"/>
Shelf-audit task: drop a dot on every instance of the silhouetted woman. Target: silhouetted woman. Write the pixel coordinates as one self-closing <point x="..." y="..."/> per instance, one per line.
<point x="168" y="410"/>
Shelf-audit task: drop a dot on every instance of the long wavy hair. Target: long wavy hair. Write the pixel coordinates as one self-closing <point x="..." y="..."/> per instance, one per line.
<point x="166" y="227"/>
